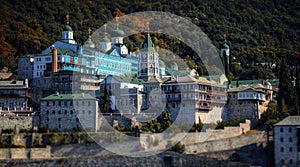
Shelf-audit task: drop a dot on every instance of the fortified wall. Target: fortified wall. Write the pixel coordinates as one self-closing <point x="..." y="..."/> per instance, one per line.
<point x="17" y="121"/>
<point x="153" y="142"/>
<point x="25" y="153"/>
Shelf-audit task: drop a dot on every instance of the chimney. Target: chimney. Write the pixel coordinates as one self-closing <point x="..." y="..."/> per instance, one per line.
<point x="54" y="60"/>
<point x="26" y="83"/>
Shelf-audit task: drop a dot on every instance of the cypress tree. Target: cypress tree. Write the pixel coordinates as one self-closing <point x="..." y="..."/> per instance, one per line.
<point x="297" y="86"/>
<point x="287" y="93"/>
<point x="106" y="102"/>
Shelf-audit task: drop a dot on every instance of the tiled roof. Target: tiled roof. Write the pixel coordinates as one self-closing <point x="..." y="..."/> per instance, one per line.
<point x="80" y="96"/>
<point x="290" y="120"/>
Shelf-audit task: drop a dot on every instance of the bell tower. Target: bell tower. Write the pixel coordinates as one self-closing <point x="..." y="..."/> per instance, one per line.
<point x="148" y="60"/>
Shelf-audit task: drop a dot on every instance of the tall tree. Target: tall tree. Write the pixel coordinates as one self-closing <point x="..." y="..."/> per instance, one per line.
<point x="287" y="93"/>
<point x="297" y="86"/>
<point x="106" y="102"/>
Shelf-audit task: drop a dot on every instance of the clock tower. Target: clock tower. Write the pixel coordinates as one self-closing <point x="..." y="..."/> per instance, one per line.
<point x="148" y="60"/>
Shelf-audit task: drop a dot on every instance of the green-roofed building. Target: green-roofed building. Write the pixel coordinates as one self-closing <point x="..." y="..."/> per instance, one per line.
<point x="67" y="111"/>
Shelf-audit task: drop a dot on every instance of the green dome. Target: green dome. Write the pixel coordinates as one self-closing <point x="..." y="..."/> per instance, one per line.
<point x="67" y="28"/>
<point x="89" y="43"/>
<point x="118" y="33"/>
<point x="225" y="46"/>
<point x="162" y="64"/>
<point x="105" y="39"/>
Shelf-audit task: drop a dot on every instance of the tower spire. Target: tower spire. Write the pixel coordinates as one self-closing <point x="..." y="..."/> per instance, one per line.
<point x="117" y="20"/>
<point x="89" y="32"/>
<point x="67" y="17"/>
<point x="105" y="33"/>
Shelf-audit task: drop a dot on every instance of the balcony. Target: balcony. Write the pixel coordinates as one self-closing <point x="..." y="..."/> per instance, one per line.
<point x="16" y="109"/>
<point x="88" y="87"/>
<point x="203" y="107"/>
<point x="90" y="80"/>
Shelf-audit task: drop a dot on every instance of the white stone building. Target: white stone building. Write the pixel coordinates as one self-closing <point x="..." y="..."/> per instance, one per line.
<point x="14" y="97"/>
<point x="287" y="142"/>
<point x="247" y="102"/>
<point x="191" y="99"/>
<point x="67" y="111"/>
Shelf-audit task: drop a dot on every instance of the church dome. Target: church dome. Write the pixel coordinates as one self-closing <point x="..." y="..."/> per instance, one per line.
<point x="118" y="33"/>
<point x="162" y="64"/>
<point x="225" y="46"/>
<point x="89" y="43"/>
<point x="105" y="39"/>
<point x="67" y="28"/>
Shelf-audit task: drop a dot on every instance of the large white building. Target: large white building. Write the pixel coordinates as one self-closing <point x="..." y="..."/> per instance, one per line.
<point x="67" y="111"/>
<point x="287" y="142"/>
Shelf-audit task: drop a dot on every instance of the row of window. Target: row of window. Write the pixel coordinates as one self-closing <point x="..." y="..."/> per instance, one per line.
<point x="110" y="64"/>
<point x="13" y="104"/>
<point x="283" y="162"/>
<point x="282" y="149"/>
<point x="67" y="103"/>
<point x="282" y="139"/>
<point x="41" y="67"/>
<point x="66" y="112"/>
<point x="290" y="129"/>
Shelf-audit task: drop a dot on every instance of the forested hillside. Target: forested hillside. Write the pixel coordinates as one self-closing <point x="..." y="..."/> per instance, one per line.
<point x="258" y="31"/>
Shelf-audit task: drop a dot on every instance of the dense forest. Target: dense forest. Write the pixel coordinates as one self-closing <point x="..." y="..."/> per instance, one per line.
<point x="259" y="32"/>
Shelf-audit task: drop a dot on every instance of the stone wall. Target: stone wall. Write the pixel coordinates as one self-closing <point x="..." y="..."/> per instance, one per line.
<point x="25" y="153"/>
<point x="163" y="139"/>
<point x="225" y="144"/>
<point x="160" y="160"/>
<point x="16" y="122"/>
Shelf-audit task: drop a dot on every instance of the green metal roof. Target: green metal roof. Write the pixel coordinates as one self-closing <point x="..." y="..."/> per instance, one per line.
<point x="225" y="46"/>
<point x="69" y="97"/>
<point x="148" y="44"/>
<point x="105" y="39"/>
<point x="118" y="33"/>
<point x="128" y="80"/>
<point x="250" y="82"/>
<point x="68" y="28"/>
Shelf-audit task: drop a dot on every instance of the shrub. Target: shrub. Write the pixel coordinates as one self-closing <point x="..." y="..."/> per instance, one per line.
<point x="156" y="142"/>
<point x="9" y="131"/>
<point x="43" y="129"/>
<point x="23" y="131"/>
<point x="178" y="147"/>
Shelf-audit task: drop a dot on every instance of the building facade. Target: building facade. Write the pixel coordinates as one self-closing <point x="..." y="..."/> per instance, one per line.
<point x="14" y="96"/>
<point x="125" y="93"/>
<point x="67" y="111"/>
<point x="191" y="99"/>
<point x="287" y="142"/>
<point x="247" y="102"/>
<point x="148" y="60"/>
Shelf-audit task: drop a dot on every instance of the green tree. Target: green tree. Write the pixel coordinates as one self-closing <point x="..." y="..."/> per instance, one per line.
<point x="287" y="93"/>
<point x="105" y="100"/>
<point x="165" y="120"/>
<point x="283" y="110"/>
